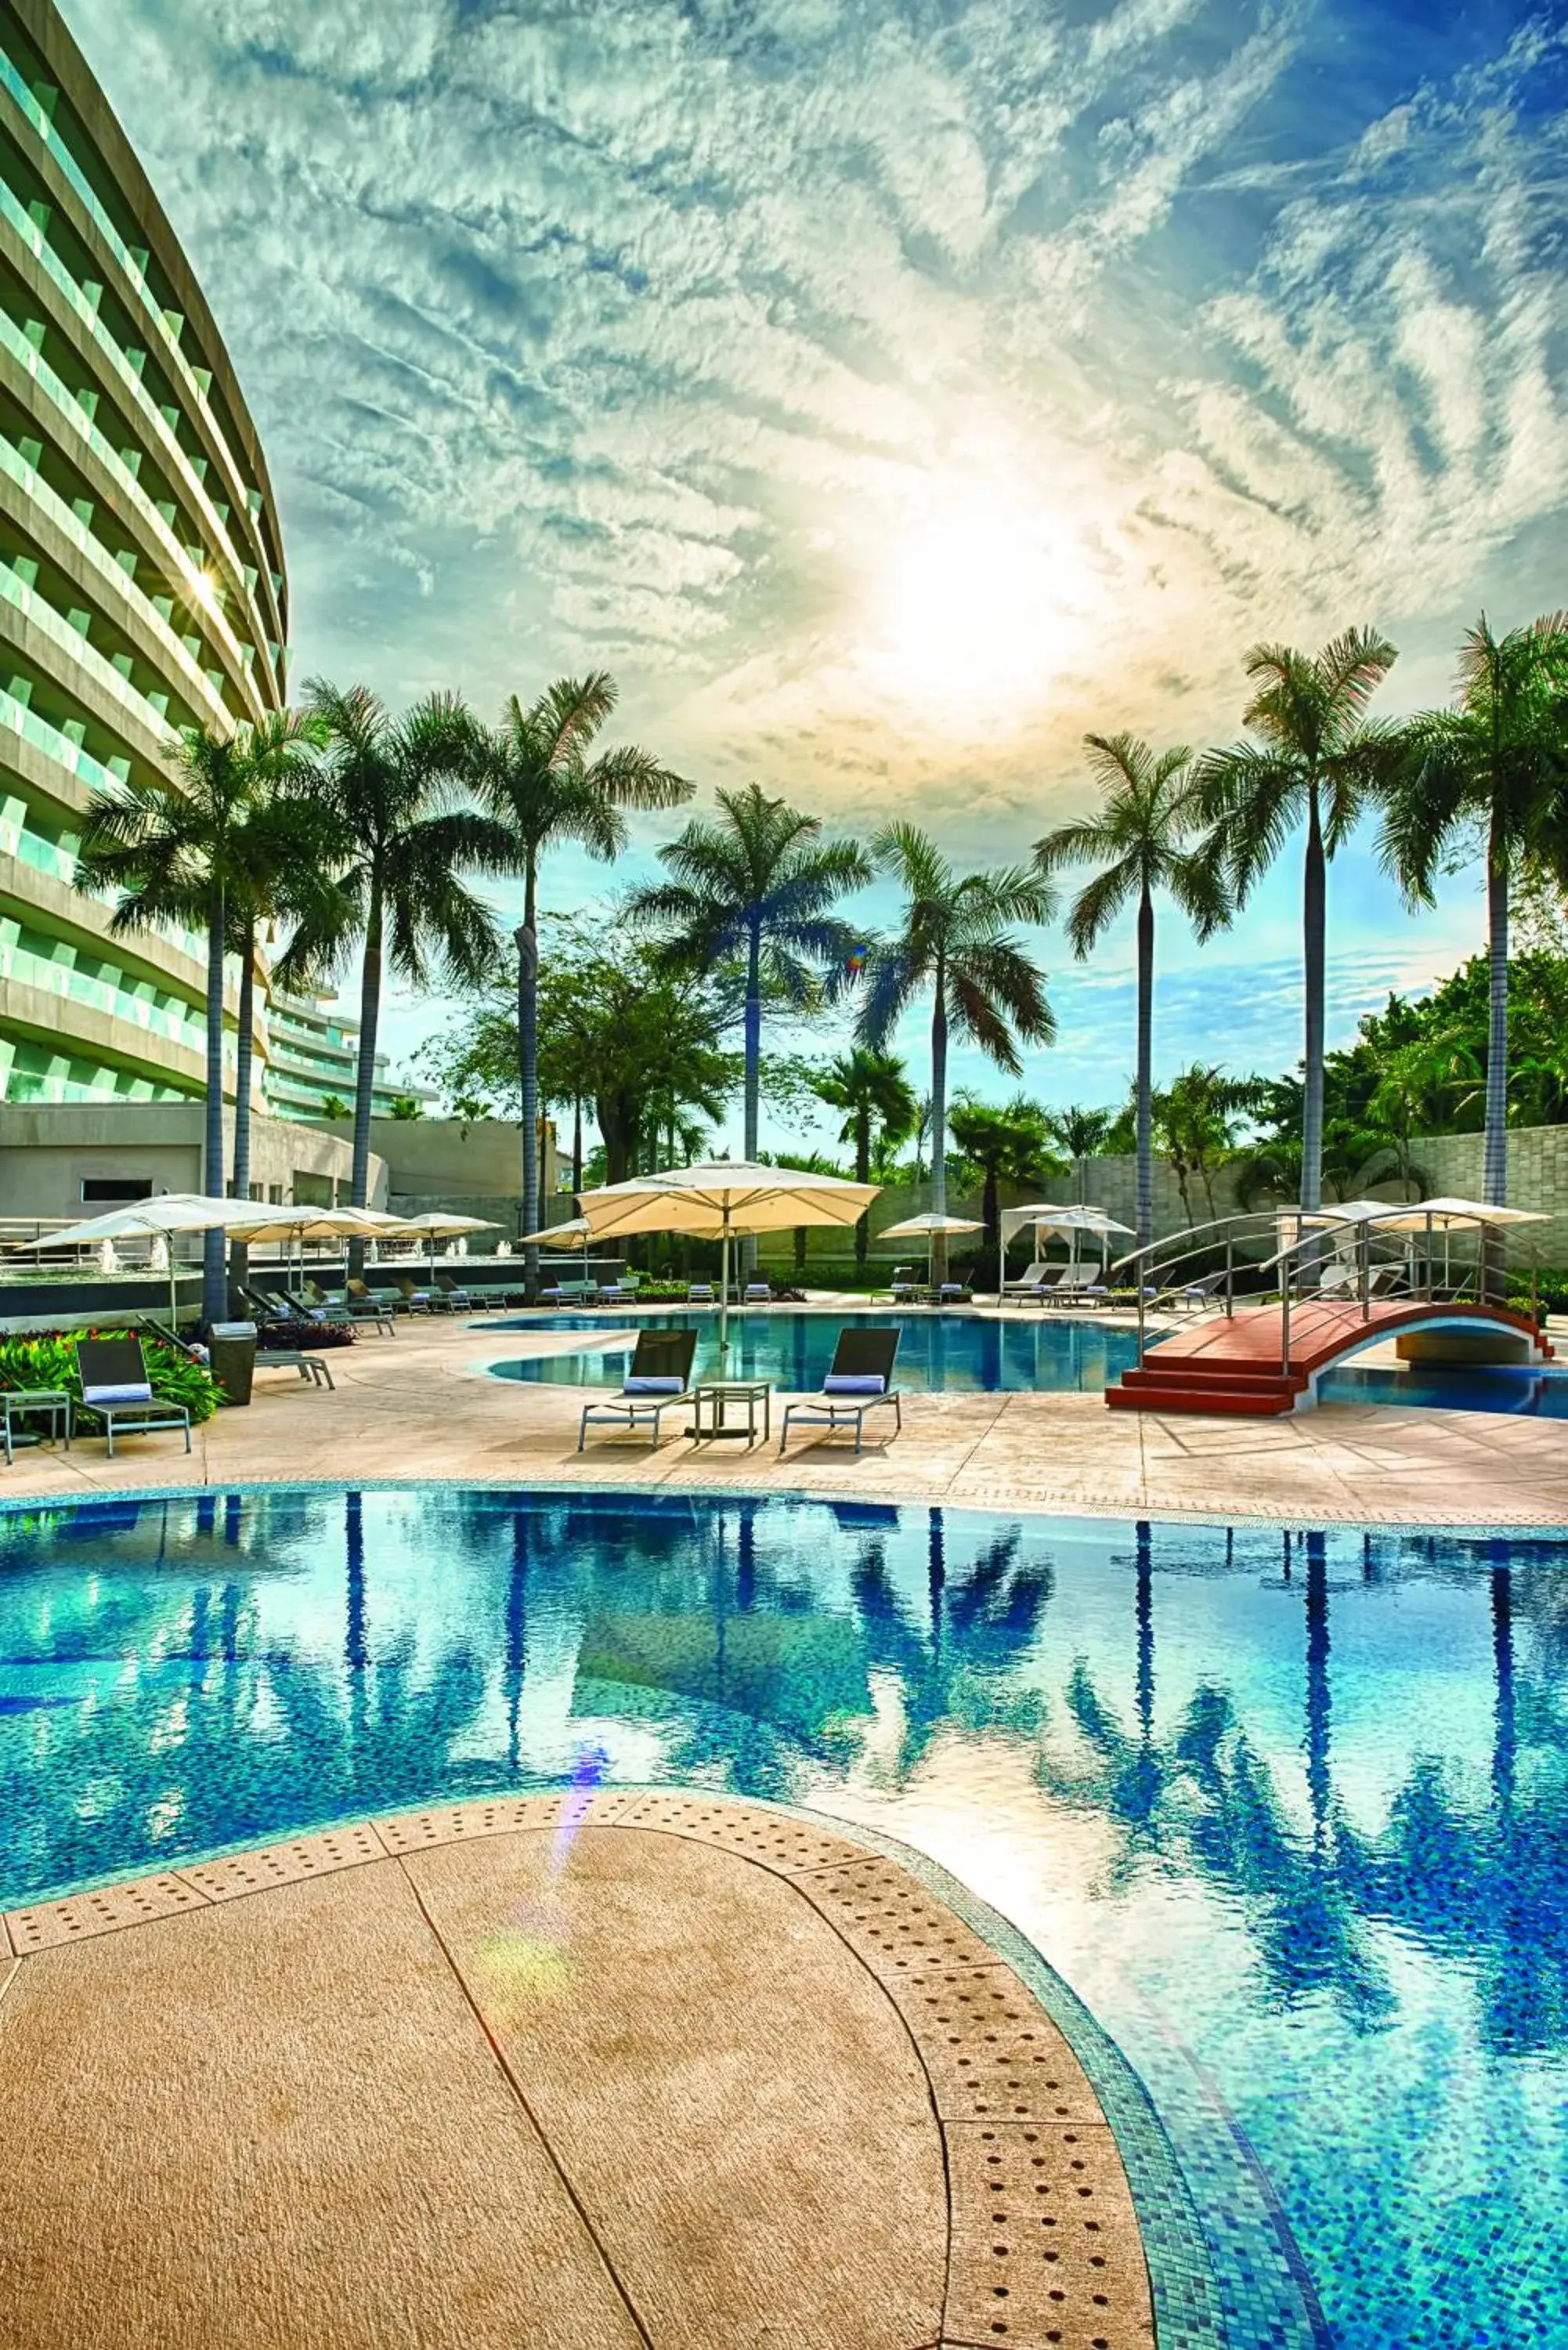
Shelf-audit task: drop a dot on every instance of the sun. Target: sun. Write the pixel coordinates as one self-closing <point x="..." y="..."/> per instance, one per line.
<point x="974" y="606"/>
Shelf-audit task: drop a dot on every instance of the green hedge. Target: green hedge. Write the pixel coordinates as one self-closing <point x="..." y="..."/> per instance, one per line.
<point x="47" y="1359"/>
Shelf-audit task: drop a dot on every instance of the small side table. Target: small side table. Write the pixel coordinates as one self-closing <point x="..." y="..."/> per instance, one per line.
<point x="710" y="1404"/>
<point x="57" y="1402"/>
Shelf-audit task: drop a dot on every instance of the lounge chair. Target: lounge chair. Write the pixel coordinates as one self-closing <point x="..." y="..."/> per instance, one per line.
<point x="954" y="1293"/>
<point x="906" y="1288"/>
<point x="860" y="1380"/>
<point x="660" y="1376"/>
<point x="312" y="1368"/>
<point x="758" y="1292"/>
<point x="570" y="1293"/>
<point x="390" y="1302"/>
<point x="699" y="1292"/>
<point x="1041" y="1277"/>
<point x="622" y="1291"/>
<point x="115" y="1385"/>
<point x="1080" y="1284"/>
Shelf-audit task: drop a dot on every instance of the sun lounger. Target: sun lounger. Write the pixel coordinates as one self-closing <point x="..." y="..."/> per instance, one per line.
<point x="1080" y="1284"/>
<point x="699" y="1292"/>
<point x="570" y="1293"/>
<point x="952" y="1292"/>
<point x="660" y="1376"/>
<point x="905" y="1289"/>
<point x="115" y="1385"/>
<point x="1033" y="1289"/>
<point x="758" y="1292"/>
<point x="860" y="1380"/>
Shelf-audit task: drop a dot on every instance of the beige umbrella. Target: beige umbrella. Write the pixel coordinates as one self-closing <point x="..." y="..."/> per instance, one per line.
<point x="445" y="1223"/>
<point x="160" y="1217"/>
<point x="574" y="1234"/>
<point x="721" y="1199"/>
<point x="925" y="1228"/>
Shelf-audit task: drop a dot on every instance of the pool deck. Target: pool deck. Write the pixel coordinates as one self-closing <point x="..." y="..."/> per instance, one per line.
<point x="422" y="1406"/>
<point x="466" y="2078"/>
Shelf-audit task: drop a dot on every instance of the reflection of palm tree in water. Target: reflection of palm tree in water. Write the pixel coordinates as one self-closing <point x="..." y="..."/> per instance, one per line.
<point x="1206" y="1797"/>
<point x="977" y="1624"/>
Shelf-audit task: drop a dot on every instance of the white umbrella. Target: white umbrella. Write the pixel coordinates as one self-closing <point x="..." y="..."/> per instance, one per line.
<point x="160" y="1217"/>
<point x="716" y="1201"/>
<point x="574" y="1234"/>
<point x="1071" y="1219"/>
<point x="925" y="1228"/>
<point x="444" y="1223"/>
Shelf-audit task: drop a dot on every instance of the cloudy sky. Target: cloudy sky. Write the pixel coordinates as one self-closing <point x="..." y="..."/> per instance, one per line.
<point x="889" y="390"/>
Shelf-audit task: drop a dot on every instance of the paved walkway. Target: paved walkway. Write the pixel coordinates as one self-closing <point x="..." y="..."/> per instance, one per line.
<point x="422" y="1406"/>
<point x="675" y="2072"/>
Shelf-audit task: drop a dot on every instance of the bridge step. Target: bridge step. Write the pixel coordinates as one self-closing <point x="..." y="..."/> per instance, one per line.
<point x="1256" y="1400"/>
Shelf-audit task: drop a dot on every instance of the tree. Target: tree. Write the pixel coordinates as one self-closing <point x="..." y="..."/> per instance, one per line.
<point x="1315" y="761"/>
<point x="1010" y="1145"/>
<point x="1082" y="1133"/>
<point x="955" y="943"/>
<point x="757" y="885"/>
<point x="184" y="847"/>
<point x="873" y="1091"/>
<point x="1498" y="764"/>
<point x="1195" y="1120"/>
<point x="392" y="788"/>
<point x="537" y="779"/>
<point x="1141" y="840"/>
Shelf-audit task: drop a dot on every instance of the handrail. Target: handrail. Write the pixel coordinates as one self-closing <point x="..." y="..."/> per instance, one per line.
<point x="1326" y="1235"/>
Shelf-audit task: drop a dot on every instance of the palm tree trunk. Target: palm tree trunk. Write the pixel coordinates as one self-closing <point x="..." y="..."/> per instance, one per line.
<point x="753" y="1074"/>
<point x="528" y="940"/>
<point x="1494" y="1172"/>
<point x="939" y="1117"/>
<point x="1145" y="1069"/>
<point x="863" y="1175"/>
<point x="215" y="1280"/>
<point x="1314" y="893"/>
<point x="577" y="1145"/>
<point x="239" y="1254"/>
<point x="365" y="1073"/>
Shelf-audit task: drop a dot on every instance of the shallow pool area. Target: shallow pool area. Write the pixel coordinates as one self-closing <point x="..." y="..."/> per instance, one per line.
<point x="1515" y="1388"/>
<point x="941" y="1353"/>
<point x="1288" y="1810"/>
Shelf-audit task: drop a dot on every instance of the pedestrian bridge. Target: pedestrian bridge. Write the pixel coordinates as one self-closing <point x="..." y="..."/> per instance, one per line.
<point x="1345" y="1284"/>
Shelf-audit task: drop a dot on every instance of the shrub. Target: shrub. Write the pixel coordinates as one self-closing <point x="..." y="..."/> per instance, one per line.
<point x="46" y="1358"/>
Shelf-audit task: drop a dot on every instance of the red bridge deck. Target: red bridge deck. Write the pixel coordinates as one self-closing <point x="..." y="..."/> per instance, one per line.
<point x="1232" y="1365"/>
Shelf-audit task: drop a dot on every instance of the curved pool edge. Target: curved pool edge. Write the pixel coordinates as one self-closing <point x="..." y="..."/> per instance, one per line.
<point x="778" y="1488"/>
<point x="1186" y="2293"/>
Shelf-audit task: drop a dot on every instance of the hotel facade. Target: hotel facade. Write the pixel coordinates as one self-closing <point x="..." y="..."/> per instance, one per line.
<point x="141" y="574"/>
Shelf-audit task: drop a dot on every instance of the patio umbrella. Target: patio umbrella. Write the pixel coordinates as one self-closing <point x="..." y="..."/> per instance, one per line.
<point x="720" y="1200"/>
<point x="1071" y="1219"/>
<point x="925" y="1228"/>
<point x="444" y="1223"/>
<point x="572" y="1234"/>
<point x="160" y="1217"/>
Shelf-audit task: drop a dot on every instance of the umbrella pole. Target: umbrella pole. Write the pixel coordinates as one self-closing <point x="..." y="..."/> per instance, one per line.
<point x="724" y="1291"/>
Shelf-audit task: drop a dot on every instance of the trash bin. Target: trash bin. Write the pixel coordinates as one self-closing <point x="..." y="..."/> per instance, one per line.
<point x="233" y="1348"/>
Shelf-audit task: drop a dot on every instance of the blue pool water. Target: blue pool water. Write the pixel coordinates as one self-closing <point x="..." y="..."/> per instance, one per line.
<point x="937" y="1352"/>
<point x="1288" y="1810"/>
<point x="1501" y="1387"/>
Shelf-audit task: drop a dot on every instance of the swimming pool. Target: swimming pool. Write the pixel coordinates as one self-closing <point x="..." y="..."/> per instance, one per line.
<point x="942" y="1353"/>
<point x="1288" y="1810"/>
<point x="1498" y="1387"/>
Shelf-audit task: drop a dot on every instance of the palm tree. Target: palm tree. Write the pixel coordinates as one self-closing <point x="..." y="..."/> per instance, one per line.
<point x="182" y="846"/>
<point x="1315" y="761"/>
<point x="1141" y="840"/>
<point x="1500" y="760"/>
<point x="536" y="779"/>
<point x="1010" y="1145"/>
<point x="955" y="943"/>
<point x="872" y="1091"/>
<point x="390" y="788"/>
<point x="759" y="885"/>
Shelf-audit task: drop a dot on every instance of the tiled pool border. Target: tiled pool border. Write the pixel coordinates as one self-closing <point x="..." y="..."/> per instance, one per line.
<point x="1264" y="2284"/>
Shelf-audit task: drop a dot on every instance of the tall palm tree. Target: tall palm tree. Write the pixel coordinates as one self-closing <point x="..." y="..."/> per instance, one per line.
<point x="536" y="779"/>
<point x="1498" y="761"/>
<point x="757" y="885"/>
<point x="1315" y="760"/>
<point x="182" y="846"/>
<point x="957" y="944"/>
<point x="873" y="1091"/>
<point x="1142" y="841"/>
<point x="1008" y="1145"/>
<point x="392" y="791"/>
